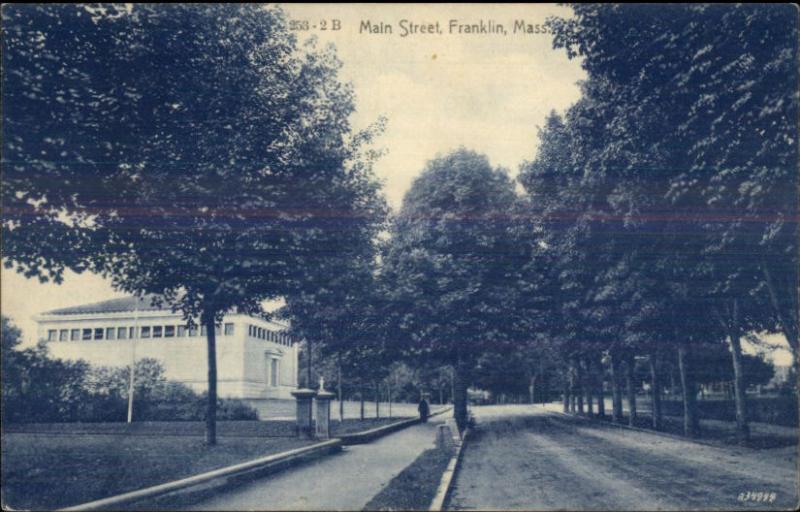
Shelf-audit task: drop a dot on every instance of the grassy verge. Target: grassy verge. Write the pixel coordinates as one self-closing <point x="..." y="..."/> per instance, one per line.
<point x="48" y="471"/>
<point x="351" y="426"/>
<point x="415" y="487"/>
<point x="717" y="432"/>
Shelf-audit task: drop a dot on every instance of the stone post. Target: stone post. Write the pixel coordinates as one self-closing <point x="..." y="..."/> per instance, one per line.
<point x="444" y="437"/>
<point x="305" y="401"/>
<point x="324" y="414"/>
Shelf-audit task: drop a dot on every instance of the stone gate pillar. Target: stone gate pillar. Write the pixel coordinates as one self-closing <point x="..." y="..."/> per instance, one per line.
<point x="324" y="414"/>
<point x="305" y="401"/>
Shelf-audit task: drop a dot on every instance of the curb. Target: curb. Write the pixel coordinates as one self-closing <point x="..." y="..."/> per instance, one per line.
<point x="204" y="483"/>
<point x="446" y="483"/>
<point x="377" y="432"/>
<point x="215" y="478"/>
<point x="643" y="430"/>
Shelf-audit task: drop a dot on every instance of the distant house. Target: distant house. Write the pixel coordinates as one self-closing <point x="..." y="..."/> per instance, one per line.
<point x="255" y="357"/>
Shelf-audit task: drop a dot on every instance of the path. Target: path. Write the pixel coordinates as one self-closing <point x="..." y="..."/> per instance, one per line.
<point x="345" y="481"/>
<point x="274" y="409"/>
<point x="524" y="457"/>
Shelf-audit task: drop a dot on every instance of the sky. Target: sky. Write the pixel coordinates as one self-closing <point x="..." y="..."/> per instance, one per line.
<point x="453" y="87"/>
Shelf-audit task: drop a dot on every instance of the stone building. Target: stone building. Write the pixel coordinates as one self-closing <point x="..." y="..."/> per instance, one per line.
<point x="256" y="359"/>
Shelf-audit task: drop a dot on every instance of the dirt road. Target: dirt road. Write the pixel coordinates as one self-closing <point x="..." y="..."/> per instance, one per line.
<point x="521" y="457"/>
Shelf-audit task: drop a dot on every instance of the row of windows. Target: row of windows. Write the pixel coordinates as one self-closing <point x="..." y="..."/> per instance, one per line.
<point x="266" y="334"/>
<point x="123" y="333"/>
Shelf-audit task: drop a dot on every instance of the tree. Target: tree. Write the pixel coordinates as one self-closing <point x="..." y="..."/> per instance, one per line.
<point x="35" y="387"/>
<point x="190" y="151"/>
<point x="449" y="265"/>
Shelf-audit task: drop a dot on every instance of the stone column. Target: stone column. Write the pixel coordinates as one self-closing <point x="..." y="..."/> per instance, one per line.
<point x="305" y="401"/>
<point x="324" y="414"/>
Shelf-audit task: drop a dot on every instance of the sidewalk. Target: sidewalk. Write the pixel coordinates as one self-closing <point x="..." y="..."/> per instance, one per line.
<point x="345" y="481"/>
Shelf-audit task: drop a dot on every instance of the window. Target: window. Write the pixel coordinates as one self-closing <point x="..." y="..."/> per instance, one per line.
<point x="157" y="331"/>
<point x="75" y="334"/>
<point x="131" y="332"/>
<point x="122" y="333"/>
<point x="98" y="333"/>
<point x="110" y="333"/>
<point x="52" y="335"/>
<point x="218" y="330"/>
<point x="261" y="333"/>
<point x="228" y="329"/>
<point x="202" y="330"/>
<point x="87" y="334"/>
<point x="145" y="332"/>
<point x="193" y="331"/>
<point x="63" y="335"/>
<point x="181" y="331"/>
<point x="169" y="331"/>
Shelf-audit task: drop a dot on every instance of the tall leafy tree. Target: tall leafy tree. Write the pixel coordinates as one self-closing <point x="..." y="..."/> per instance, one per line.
<point x="191" y="151"/>
<point x="449" y="264"/>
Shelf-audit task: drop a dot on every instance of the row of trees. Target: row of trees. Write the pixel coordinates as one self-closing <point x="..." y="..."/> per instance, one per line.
<point x="659" y="221"/>
<point x="669" y="191"/>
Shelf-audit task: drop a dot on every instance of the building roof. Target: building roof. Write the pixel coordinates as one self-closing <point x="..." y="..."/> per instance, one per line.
<point x="122" y="305"/>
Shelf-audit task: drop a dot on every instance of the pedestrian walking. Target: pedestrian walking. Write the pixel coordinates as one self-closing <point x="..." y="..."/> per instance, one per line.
<point x="424" y="409"/>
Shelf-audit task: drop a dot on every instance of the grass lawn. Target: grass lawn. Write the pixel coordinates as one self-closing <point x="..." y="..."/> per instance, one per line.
<point x="415" y="486"/>
<point x="351" y="426"/>
<point x="41" y="471"/>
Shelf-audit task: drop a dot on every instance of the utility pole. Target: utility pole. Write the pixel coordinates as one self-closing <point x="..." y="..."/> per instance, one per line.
<point x="133" y="360"/>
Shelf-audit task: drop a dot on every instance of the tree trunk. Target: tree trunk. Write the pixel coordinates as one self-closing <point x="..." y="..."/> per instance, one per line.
<point x="691" y="426"/>
<point x="579" y="382"/>
<point x="377" y="400"/>
<point x="389" y="395"/>
<point x="572" y="386"/>
<point x="616" y="392"/>
<point x="532" y="389"/>
<point x="361" y="398"/>
<point x="672" y="385"/>
<point x="790" y="328"/>
<point x="339" y="389"/>
<point x="453" y="386"/>
<point x="211" y="406"/>
<point x="601" y="398"/>
<point x="655" y="389"/>
<point x="460" y="400"/>
<point x="588" y="386"/>
<point x="630" y="383"/>
<point x="742" y="428"/>
<point x="308" y="370"/>
<point x="731" y="324"/>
